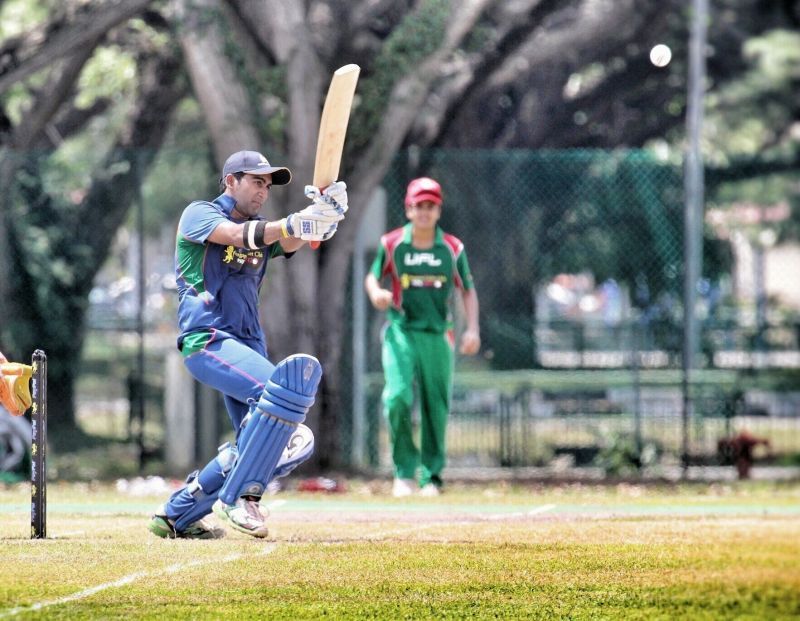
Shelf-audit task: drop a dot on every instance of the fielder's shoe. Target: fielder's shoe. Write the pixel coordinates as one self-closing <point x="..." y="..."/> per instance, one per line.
<point x="430" y="490"/>
<point x="403" y="487"/>
<point x="244" y="516"/>
<point x="161" y="526"/>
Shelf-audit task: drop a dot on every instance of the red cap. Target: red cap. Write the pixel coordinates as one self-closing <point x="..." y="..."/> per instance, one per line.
<point x="423" y="189"/>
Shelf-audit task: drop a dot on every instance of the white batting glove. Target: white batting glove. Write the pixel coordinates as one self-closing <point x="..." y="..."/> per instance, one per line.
<point x="332" y="231"/>
<point x="310" y="226"/>
<point x="332" y="201"/>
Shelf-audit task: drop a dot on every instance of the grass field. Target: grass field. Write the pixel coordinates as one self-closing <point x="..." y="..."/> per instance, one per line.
<point x="477" y="552"/>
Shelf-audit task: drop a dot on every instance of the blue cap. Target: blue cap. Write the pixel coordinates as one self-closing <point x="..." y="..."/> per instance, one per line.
<point x="252" y="162"/>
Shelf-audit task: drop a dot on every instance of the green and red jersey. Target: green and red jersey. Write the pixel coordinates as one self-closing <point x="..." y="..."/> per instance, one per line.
<point x="422" y="281"/>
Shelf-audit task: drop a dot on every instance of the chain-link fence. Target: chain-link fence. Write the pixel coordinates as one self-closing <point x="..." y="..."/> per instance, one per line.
<point x="578" y="262"/>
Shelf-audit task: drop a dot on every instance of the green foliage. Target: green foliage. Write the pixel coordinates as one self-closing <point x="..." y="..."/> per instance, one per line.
<point x="184" y="169"/>
<point x="176" y="178"/>
<point x="763" y="189"/>
<point x="271" y="80"/>
<point x="767" y="190"/>
<point x="416" y="37"/>
<point x="790" y="460"/>
<point x="620" y="455"/>
<point x="265" y="86"/>
<point x="781" y="380"/>
<point x="744" y="115"/>
<point x="109" y="74"/>
<point x="19" y="16"/>
<point x="480" y="36"/>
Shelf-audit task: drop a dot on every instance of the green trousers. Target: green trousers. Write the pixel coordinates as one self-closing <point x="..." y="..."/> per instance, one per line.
<point x="424" y="360"/>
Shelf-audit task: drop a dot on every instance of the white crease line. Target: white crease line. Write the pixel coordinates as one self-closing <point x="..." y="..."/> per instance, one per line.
<point x="400" y="531"/>
<point x="417" y="528"/>
<point x="171" y="569"/>
<point x="542" y="509"/>
<point x="534" y="511"/>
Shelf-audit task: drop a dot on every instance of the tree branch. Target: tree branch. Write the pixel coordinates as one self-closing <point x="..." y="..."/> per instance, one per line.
<point x="62" y="37"/>
<point x="222" y="96"/>
<point x="116" y="186"/>
<point x="50" y="99"/>
<point x="69" y="122"/>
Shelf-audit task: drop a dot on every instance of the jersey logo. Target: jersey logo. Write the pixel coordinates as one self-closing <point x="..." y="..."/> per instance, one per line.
<point x="434" y="281"/>
<point x="239" y="258"/>
<point x="295" y="443"/>
<point x="421" y="258"/>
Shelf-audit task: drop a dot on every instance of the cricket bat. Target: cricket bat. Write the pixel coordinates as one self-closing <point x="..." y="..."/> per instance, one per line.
<point x="333" y="126"/>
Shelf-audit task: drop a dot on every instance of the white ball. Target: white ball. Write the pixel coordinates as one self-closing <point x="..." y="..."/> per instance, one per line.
<point x="660" y="55"/>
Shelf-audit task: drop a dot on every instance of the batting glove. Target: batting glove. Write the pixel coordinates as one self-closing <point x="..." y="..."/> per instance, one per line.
<point x="332" y="201"/>
<point x="310" y="226"/>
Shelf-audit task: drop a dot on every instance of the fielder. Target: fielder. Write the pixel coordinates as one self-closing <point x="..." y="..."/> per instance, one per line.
<point x="424" y="264"/>
<point x="222" y="250"/>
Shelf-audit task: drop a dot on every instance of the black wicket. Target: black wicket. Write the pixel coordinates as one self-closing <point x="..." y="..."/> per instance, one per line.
<point x="39" y="446"/>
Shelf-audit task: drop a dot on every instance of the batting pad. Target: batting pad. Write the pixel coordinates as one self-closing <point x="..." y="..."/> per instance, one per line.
<point x="194" y="501"/>
<point x="288" y="395"/>
<point x="299" y="449"/>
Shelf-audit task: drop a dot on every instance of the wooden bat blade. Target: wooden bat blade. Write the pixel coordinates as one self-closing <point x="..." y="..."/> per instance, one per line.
<point x="333" y="126"/>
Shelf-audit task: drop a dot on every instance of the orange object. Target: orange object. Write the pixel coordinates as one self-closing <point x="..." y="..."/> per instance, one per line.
<point x="15" y="386"/>
<point x="320" y="484"/>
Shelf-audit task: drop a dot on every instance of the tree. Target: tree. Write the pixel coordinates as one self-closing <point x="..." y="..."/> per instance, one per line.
<point x="473" y="73"/>
<point x="56" y="248"/>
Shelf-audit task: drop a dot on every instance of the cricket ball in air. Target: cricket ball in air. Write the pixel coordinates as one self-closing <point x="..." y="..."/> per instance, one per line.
<point x="660" y="55"/>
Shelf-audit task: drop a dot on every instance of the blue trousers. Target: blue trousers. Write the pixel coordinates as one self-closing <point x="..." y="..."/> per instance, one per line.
<point x="237" y="369"/>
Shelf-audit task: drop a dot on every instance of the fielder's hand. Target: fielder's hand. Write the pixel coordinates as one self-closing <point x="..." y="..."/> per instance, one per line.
<point x="381" y="299"/>
<point x="15" y="389"/>
<point x="470" y="343"/>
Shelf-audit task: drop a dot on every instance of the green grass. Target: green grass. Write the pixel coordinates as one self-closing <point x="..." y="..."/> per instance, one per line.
<point x="501" y="551"/>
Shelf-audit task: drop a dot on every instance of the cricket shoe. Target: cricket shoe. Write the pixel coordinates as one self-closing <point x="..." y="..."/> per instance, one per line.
<point x="403" y="487"/>
<point x="430" y="490"/>
<point x="244" y="516"/>
<point x="161" y="526"/>
<point x="298" y="449"/>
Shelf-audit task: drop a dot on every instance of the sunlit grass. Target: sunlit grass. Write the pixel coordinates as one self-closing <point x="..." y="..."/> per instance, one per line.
<point x="499" y="551"/>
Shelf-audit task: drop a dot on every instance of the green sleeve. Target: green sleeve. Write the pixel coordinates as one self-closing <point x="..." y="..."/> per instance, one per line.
<point x="276" y="250"/>
<point x="377" y="265"/>
<point x="462" y="265"/>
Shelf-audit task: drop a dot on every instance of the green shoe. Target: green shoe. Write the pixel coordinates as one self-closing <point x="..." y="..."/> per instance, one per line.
<point x="159" y="525"/>
<point x="162" y="527"/>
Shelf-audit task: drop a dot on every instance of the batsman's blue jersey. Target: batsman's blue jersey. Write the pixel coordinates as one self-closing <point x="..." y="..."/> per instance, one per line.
<point x="218" y="286"/>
